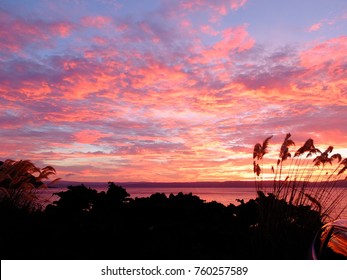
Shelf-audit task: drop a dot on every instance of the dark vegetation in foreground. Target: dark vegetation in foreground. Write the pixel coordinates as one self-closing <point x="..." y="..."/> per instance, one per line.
<point x="86" y="224"/>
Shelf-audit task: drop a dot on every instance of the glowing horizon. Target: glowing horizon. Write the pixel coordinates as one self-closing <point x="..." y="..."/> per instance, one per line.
<point x="168" y="91"/>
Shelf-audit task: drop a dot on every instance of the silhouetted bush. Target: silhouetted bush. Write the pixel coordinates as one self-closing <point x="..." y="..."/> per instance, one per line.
<point x="86" y="224"/>
<point x="77" y="198"/>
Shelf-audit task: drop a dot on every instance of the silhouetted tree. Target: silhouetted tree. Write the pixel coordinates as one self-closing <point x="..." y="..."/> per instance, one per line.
<point x="76" y="198"/>
<point x="116" y="194"/>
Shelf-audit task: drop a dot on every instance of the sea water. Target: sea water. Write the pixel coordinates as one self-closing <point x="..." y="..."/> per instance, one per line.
<point x="224" y="195"/>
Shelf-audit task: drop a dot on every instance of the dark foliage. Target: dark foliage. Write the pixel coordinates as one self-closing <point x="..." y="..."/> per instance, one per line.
<point x="85" y="224"/>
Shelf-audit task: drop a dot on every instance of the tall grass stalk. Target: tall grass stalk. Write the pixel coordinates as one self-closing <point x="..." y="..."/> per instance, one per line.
<point x="317" y="183"/>
<point x="19" y="182"/>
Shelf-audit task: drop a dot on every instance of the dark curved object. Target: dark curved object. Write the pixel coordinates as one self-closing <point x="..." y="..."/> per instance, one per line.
<point x="330" y="242"/>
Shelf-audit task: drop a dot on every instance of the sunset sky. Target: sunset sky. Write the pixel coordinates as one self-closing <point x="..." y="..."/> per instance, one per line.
<point x="168" y="90"/>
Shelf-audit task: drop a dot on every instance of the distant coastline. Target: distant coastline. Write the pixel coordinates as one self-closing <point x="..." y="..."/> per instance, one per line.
<point x="225" y="184"/>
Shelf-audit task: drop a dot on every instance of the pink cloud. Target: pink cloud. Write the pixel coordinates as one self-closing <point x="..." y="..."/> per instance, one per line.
<point x="315" y="27"/>
<point x="329" y="50"/>
<point x="216" y="9"/>
<point x="89" y="136"/>
<point x="219" y="6"/>
<point x="99" y="40"/>
<point x="315" y="75"/>
<point x="18" y="33"/>
<point x="63" y="29"/>
<point x="238" y="4"/>
<point x="233" y="40"/>
<point x="328" y="21"/>
<point x="326" y="69"/>
<point x="158" y="74"/>
<point x="207" y="29"/>
<point x="95" y="21"/>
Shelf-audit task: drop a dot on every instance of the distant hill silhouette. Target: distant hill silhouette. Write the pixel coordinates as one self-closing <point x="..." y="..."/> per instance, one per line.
<point x="226" y="184"/>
